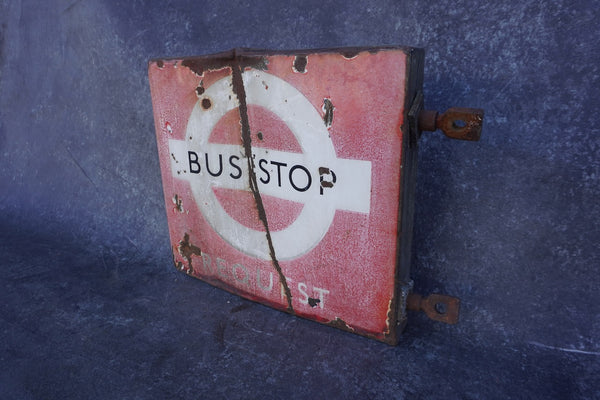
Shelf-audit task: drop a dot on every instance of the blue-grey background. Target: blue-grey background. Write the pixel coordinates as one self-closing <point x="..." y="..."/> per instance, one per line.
<point x="91" y="306"/>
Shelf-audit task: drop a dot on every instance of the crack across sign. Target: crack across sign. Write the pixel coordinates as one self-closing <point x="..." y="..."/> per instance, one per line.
<point x="240" y="92"/>
<point x="237" y="62"/>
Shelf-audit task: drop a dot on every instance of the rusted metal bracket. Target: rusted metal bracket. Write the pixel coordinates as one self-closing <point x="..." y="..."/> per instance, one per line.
<point x="437" y="307"/>
<point x="456" y="122"/>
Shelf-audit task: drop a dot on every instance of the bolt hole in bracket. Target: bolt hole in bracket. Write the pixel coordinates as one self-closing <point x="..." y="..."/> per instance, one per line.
<point x="456" y="123"/>
<point x="437" y="307"/>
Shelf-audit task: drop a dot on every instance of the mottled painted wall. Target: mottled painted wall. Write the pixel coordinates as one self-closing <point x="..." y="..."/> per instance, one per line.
<point x="509" y="224"/>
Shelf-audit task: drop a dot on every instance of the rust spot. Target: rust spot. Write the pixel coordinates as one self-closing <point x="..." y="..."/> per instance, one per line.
<point x="225" y="60"/>
<point x="300" y="64"/>
<point x="350" y="54"/>
<point x="313" y="302"/>
<point x="259" y="135"/>
<point x="326" y="183"/>
<point x="200" y="89"/>
<point x="328" y="112"/>
<point x="340" y="324"/>
<point x="178" y="264"/>
<point x="196" y="66"/>
<point x="188" y="250"/>
<point x="260" y="63"/>
<point x="178" y="204"/>
<point x="206" y="104"/>
<point x="160" y="63"/>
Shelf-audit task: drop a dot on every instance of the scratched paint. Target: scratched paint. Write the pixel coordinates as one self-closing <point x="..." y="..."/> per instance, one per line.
<point x="288" y="168"/>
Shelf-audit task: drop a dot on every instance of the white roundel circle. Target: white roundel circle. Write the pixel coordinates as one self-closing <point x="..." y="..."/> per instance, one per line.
<point x="305" y="122"/>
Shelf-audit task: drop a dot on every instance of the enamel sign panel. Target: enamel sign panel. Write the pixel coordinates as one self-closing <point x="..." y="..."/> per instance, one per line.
<point x="283" y="177"/>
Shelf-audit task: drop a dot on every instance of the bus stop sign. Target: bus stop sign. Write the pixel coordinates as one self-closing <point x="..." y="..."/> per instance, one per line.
<point x="289" y="177"/>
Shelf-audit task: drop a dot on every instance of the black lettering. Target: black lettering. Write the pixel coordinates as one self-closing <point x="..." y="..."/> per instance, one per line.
<point x="260" y="165"/>
<point x="239" y="173"/>
<point x="305" y="188"/>
<point x="220" y="165"/>
<point x="279" y="165"/>
<point x="193" y="162"/>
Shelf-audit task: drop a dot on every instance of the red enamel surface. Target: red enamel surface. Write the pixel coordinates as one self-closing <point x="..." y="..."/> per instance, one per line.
<point x="352" y="268"/>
